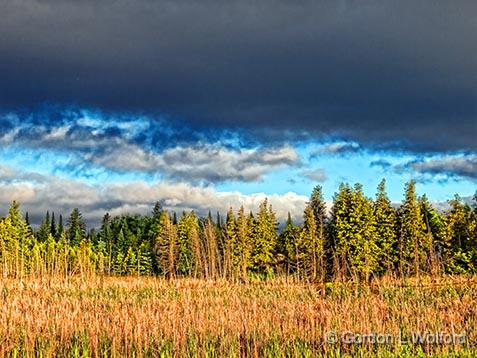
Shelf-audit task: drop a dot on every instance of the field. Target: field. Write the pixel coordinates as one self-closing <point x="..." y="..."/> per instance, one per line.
<point x="136" y="316"/>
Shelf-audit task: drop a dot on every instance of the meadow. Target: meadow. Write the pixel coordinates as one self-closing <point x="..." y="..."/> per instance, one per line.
<point x="185" y="317"/>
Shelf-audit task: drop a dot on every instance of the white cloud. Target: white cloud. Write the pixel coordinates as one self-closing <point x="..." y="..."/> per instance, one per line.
<point x="209" y="163"/>
<point x="38" y="193"/>
<point x="196" y="163"/>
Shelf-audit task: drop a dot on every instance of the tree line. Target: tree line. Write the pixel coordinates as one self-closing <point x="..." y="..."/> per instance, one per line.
<point x="358" y="238"/>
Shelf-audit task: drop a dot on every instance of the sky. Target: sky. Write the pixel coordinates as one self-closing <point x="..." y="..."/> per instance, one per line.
<point x="111" y="106"/>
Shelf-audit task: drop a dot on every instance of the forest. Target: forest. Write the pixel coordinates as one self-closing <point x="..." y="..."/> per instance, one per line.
<point x="358" y="238"/>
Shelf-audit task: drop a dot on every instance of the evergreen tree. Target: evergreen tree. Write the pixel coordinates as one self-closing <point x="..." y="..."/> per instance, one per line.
<point x="60" y="230"/>
<point x="211" y="249"/>
<point x="190" y="260"/>
<point x="264" y="239"/>
<point x="435" y="233"/>
<point x="318" y="205"/>
<point x="241" y="245"/>
<point x="412" y="241"/>
<point x="155" y="222"/>
<point x="166" y="246"/>
<point x="76" y="231"/>
<point x="386" y="230"/>
<point x="459" y="246"/>
<point x="313" y="247"/>
<point x="354" y="230"/>
<point x="286" y="245"/>
<point x="21" y="240"/>
<point x="44" y="229"/>
<point x="144" y="259"/>
<point x="53" y="225"/>
<point x="106" y="236"/>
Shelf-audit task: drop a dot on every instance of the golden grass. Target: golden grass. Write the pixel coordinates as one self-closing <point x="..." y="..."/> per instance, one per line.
<point x="129" y="316"/>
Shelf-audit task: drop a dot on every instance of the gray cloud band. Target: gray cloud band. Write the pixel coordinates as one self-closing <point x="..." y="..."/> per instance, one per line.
<point x="380" y="73"/>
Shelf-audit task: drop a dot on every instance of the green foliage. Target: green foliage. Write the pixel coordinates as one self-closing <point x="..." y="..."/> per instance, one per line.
<point x="76" y="231"/>
<point x="414" y="245"/>
<point x="263" y="239"/>
<point x="165" y="246"/>
<point x="386" y="230"/>
<point x="353" y="227"/>
<point x="361" y="238"/>
<point x="459" y="252"/>
<point x="190" y="261"/>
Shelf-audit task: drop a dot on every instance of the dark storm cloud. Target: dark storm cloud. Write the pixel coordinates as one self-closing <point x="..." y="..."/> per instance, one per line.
<point x="386" y="73"/>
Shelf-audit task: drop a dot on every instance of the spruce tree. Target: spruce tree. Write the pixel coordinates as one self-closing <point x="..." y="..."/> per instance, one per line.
<point x="22" y="241"/>
<point x="53" y="225"/>
<point x="286" y="245"/>
<point x="76" y="231"/>
<point x="412" y="248"/>
<point x="354" y="233"/>
<point x="106" y="236"/>
<point x="60" y="230"/>
<point x="264" y="239"/>
<point x="318" y="205"/>
<point x="459" y="247"/>
<point x="44" y="229"/>
<point x="313" y="247"/>
<point x="242" y="247"/>
<point x="386" y="230"/>
<point x="434" y="233"/>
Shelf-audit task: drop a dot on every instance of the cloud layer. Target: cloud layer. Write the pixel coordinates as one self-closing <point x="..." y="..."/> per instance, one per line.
<point x="387" y="73"/>
<point x="451" y="166"/>
<point x="38" y="193"/>
<point x="130" y="146"/>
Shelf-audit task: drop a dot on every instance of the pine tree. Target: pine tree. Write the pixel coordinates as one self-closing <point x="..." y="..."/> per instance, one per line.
<point x="286" y="245"/>
<point x="353" y="228"/>
<point x="131" y="262"/>
<point x="459" y="246"/>
<point x="144" y="259"/>
<point x="9" y="247"/>
<point x="264" y="239"/>
<point x="106" y="236"/>
<point x="434" y="233"/>
<point x="318" y="205"/>
<point x="60" y="230"/>
<point x="53" y="225"/>
<point x="241" y="245"/>
<point x="313" y="247"/>
<point x="45" y="228"/>
<point x="412" y="250"/>
<point x="76" y="228"/>
<point x="25" y="240"/>
<point x="386" y="230"/>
